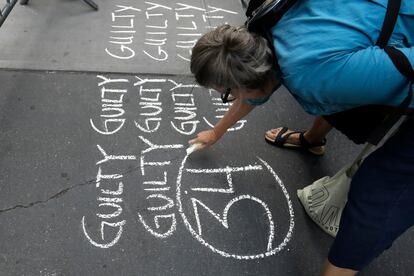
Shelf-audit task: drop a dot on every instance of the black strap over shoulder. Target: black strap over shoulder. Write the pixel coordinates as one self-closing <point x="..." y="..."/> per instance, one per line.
<point x="389" y="121"/>
<point x="400" y="61"/>
<point x="390" y="19"/>
<point x="252" y="6"/>
<point x="371" y="123"/>
<point x="402" y="64"/>
<point x="263" y="15"/>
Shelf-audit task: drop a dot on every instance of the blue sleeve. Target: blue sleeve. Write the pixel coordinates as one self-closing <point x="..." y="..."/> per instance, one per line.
<point x="365" y="77"/>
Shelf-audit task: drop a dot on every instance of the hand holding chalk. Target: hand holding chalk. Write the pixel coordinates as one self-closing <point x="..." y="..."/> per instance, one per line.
<point x="204" y="139"/>
<point x="194" y="147"/>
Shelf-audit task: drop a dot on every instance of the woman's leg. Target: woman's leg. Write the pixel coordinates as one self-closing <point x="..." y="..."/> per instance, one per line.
<point x="331" y="270"/>
<point x="318" y="131"/>
<point x="320" y="128"/>
<point x="380" y="204"/>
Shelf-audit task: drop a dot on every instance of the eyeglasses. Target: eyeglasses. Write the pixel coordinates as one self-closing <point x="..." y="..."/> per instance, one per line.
<point x="226" y="97"/>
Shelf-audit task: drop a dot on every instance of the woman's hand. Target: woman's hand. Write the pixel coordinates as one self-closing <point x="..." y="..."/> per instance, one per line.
<point x="205" y="139"/>
<point x="208" y="137"/>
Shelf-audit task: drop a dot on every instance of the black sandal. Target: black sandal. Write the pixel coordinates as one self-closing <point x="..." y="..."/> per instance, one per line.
<point x="281" y="138"/>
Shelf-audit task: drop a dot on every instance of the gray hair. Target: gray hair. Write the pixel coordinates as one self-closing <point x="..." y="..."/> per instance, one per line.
<point x="232" y="57"/>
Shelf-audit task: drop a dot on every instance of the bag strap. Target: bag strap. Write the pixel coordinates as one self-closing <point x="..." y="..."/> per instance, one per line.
<point x="252" y="6"/>
<point x="400" y="61"/>
<point x="352" y="169"/>
<point x="393" y="7"/>
<point x="402" y="64"/>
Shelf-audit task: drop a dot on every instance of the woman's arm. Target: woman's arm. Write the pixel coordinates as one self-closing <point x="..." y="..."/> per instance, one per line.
<point x="236" y="112"/>
<point x="367" y="77"/>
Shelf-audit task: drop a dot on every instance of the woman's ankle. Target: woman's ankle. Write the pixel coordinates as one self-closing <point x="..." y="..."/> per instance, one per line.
<point x="313" y="138"/>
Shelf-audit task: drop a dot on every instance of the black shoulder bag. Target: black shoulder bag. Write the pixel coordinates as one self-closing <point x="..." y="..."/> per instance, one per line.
<point x="262" y="15"/>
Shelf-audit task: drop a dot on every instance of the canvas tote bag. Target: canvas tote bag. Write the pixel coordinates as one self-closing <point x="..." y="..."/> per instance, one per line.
<point x="325" y="198"/>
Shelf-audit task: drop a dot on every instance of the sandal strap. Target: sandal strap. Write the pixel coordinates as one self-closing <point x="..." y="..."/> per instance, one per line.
<point x="306" y="145"/>
<point x="281" y="137"/>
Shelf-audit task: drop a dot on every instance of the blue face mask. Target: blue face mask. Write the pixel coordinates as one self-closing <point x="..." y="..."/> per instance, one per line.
<point x="257" y="101"/>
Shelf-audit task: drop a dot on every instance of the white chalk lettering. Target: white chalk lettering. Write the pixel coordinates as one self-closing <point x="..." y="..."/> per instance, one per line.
<point x="216" y="16"/>
<point x="104" y="244"/>
<point x="117" y="211"/>
<point x="122" y="40"/>
<point x="108" y="157"/>
<point x="215" y="9"/>
<point x="197" y="231"/>
<point x="144" y="81"/>
<point x="155" y="39"/>
<point x="228" y="171"/>
<point x="186" y="44"/>
<point x="184" y="58"/>
<point x="179" y="16"/>
<point x="149" y="100"/>
<point x="156" y="6"/>
<point x="106" y="80"/>
<point x="223" y="218"/>
<point x="161" y="54"/>
<point x="154" y="147"/>
<point x="163" y="182"/>
<point x="165" y="26"/>
<point x="157" y="189"/>
<point x="156" y="107"/>
<point x="126" y="8"/>
<point x="186" y="27"/>
<point x="184" y="104"/>
<point x="124" y="23"/>
<point x="154" y="164"/>
<point x="111" y="188"/>
<point x="110" y="199"/>
<point x="111" y="106"/>
<point x="169" y="203"/>
<point x="150" y="125"/>
<point x="155" y="178"/>
<point x="221" y="109"/>
<point x="169" y="232"/>
<point x="119" y="191"/>
<point x="125" y="53"/>
<point x="183" y="7"/>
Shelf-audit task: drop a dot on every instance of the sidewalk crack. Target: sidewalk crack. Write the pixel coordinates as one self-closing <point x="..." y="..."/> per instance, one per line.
<point x="64" y="191"/>
<point x="56" y="195"/>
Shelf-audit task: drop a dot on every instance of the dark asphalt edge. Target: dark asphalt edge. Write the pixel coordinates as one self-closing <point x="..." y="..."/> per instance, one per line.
<point x="80" y="72"/>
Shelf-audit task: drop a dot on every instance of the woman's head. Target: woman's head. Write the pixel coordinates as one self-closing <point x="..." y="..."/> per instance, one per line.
<point x="231" y="57"/>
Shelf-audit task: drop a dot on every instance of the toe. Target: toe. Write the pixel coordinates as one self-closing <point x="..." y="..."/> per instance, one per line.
<point x="273" y="132"/>
<point x="270" y="136"/>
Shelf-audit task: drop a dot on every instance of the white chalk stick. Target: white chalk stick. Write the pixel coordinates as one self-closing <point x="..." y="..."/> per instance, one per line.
<point x="193" y="148"/>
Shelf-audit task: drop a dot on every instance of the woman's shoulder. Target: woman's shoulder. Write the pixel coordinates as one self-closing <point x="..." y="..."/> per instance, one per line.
<point x="407" y="7"/>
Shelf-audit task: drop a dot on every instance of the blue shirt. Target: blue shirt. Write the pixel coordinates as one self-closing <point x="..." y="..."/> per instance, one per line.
<point x="328" y="59"/>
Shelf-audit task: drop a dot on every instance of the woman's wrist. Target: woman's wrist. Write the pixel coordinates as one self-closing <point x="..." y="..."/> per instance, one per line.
<point x="218" y="133"/>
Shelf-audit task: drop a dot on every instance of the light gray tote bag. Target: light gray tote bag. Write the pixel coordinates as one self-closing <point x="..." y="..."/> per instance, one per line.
<point x="325" y="198"/>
